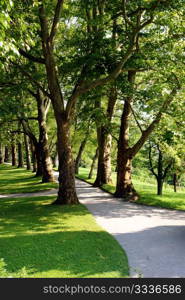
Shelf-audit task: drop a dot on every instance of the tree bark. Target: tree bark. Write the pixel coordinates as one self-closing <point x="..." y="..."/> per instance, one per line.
<point x="161" y="172"/>
<point x="104" y="143"/>
<point x="38" y="156"/>
<point x="160" y="176"/>
<point x="67" y="192"/>
<point x="104" y="159"/>
<point x="160" y="186"/>
<point x="1" y="154"/>
<point x="36" y="147"/>
<point x="79" y="155"/>
<point x="33" y="156"/>
<point x="27" y="150"/>
<point x="47" y="168"/>
<point x="6" y="156"/>
<point x="41" y="147"/>
<point x="175" y="182"/>
<point x="93" y="164"/>
<point x="13" y="150"/>
<point x="55" y="160"/>
<point x="124" y="186"/>
<point x="20" y="156"/>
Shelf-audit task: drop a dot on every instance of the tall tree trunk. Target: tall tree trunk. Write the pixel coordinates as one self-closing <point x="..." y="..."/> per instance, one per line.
<point x="160" y="177"/>
<point x="20" y="156"/>
<point x="6" y="156"/>
<point x="67" y="192"/>
<point x="175" y="182"/>
<point x="33" y="156"/>
<point x="104" y="143"/>
<point x="55" y="159"/>
<point x="38" y="156"/>
<point x="104" y="159"/>
<point x="36" y="147"/>
<point x="27" y="150"/>
<point x="79" y="155"/>
<point x="160" y="186"/>
<point x="124" y="186"/>
<point x="95" y="157"/>
<point x="1" y="154"/>
<point x="161" y="172"/>
<point x="13" y="150"/>
<point x="47" y="168"/>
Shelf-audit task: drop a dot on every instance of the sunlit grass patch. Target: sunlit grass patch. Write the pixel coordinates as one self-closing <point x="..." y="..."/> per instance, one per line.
<point x="51" y="241"/>
<point x="38" y="239"/>
<point x="147" y="191"/>
<point x="14" y="180"/>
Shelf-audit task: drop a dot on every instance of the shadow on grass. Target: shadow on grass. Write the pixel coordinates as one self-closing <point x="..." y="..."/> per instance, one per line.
<point x="74" y="254"/>
<point x="21" y="215"/>
<point x="14" y="180"/>
<point x="53" y="241"/>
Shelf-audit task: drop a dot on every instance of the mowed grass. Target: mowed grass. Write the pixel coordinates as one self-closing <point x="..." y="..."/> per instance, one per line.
<point x="147" y="191"/>
<point x="38" y="240"/>
<point x="14" y="180"/>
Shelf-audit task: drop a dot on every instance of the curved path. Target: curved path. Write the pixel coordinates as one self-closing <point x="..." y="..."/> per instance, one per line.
<point x="153" y="238"/>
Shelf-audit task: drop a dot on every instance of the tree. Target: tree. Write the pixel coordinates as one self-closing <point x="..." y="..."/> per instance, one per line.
<point x="77" y="63"/>
<point x="27" y="150"/>
<point x="162" y="170"/>
<point x="145" y="58"/>
<point x="64" y="114"/>
<point x="105" y="140"/>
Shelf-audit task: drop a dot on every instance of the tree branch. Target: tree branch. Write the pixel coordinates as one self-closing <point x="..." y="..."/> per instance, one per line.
<point x="150" y="161"/>
<point x="28" y="131"/>
<point x="32" y="93"/>
<point x="31" y="78"/>
<point x="115" y="138"/>
<point x="166" y="170"/>
<point x="113" y="75"/>
<point x="125" y="16"/>
<point x="56" y="19"/>
<point x="135" y="118"/>
<point x="47" y="47"/>
<point x="27" y="55"/>
<point x="151" y="127"/>
<point x="17" y="131"/>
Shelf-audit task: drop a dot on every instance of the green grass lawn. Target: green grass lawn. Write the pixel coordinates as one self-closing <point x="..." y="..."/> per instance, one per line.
<point x="14" y="180"/>
<point x="42" y="240"/>
<point x="147" y="191"/>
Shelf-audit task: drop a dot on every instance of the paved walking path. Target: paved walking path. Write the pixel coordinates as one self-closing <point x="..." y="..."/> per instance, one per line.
<point x="153" y="238"/>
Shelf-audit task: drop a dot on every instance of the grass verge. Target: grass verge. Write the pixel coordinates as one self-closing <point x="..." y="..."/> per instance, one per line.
<point x="41" y="240"/>
<point x="14" y="180"/>
<point x="147" y="191"/>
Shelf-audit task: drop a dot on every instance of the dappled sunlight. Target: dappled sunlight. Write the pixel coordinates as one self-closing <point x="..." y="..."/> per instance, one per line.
<point x="38" y="239"/>
<point x="54" y="254"/>
<point x="13" y="180"/>
<point x="146" y="190"/>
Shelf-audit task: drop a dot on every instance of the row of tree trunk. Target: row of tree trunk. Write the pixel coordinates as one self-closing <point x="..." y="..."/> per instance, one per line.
<point x="33" y="153"/>
<point x="125" y="153"/>
<point x="64" y="106"/>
